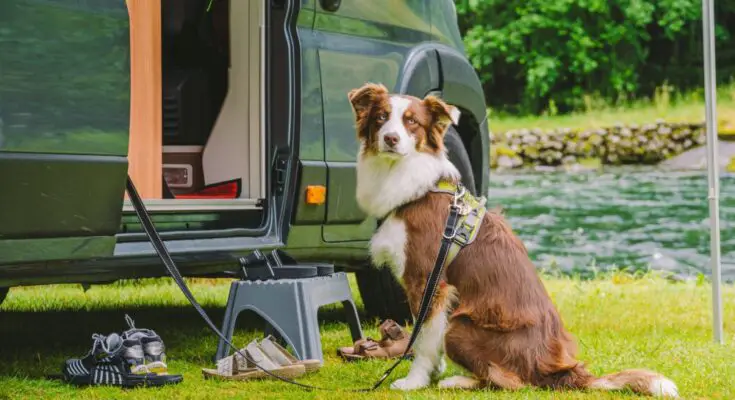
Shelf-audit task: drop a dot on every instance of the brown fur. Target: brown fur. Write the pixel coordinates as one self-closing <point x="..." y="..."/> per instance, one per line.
<point x="503" y="326"/>
<point x="426" y="119"/>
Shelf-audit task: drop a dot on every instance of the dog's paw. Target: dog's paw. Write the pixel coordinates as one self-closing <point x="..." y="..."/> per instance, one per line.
<point x="459" y="382"/>
<point x="410" y="383"/>
<point x="441" y="368"/>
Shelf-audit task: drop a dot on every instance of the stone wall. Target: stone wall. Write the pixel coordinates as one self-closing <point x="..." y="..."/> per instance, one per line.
<point x="618" y="145"/>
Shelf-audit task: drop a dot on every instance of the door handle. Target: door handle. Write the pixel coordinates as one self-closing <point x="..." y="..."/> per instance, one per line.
<point x="330" y="5"/>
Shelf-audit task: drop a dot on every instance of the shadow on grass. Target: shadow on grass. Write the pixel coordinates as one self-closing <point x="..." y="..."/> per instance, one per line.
<point x="35" y="344"/>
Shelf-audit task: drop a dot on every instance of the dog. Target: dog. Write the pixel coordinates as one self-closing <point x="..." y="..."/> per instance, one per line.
<point x="492" y="314"/>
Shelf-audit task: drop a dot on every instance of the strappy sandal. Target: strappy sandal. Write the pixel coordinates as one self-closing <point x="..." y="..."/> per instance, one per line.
<point x="281" y="356"/>
<point x="392" y="344"/>
<point x="238" y="368"/>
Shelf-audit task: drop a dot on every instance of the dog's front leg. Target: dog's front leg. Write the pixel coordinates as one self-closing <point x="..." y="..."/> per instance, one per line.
<point x="428" y="352"/>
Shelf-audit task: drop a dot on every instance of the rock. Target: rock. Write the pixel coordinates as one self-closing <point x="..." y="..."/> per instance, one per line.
<point x="620" y="144"/>
<point x="529" y="139"/>
<point x="505" y="162"/>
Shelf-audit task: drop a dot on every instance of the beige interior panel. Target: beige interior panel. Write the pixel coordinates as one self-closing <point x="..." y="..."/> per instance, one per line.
<point x="235" y="147"/>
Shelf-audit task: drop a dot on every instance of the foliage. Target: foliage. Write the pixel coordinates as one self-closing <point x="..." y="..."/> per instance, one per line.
<point x="536" y="55"/>
<point x="64" y="67"/>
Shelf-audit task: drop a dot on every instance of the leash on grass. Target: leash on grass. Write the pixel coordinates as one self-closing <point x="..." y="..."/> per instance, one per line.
<point x="450" y="232"/>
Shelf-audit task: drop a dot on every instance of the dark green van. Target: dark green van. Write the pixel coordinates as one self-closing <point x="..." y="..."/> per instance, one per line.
<point x="253" y="92"/>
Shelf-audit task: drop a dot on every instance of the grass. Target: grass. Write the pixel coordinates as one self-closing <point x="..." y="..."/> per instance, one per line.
<point x="666" y="104"/>
<point x="621" y="322"/>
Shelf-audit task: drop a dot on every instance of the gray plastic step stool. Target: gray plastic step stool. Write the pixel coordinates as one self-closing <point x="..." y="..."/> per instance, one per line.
<point x="290" y="306"/>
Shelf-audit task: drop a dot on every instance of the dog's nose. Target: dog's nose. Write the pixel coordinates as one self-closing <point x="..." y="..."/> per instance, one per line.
<point x="391" y="139"/>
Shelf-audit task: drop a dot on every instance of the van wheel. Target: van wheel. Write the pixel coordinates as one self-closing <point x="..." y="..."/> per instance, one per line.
<point x="382" y="295"/>
<point x="3" y="294"/>
<point x="460" y="158"/>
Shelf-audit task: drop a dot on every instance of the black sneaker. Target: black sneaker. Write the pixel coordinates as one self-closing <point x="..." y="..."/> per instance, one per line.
<point x="106" y="365"/>
<point x="150" y="355"/>
<point x="82" y="366"/>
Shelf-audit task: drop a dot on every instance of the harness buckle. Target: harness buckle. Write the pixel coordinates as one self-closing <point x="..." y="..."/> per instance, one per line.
<point x="452" y="235"/>
<point x="462" y="207"/>
<point x="457" y="196"/>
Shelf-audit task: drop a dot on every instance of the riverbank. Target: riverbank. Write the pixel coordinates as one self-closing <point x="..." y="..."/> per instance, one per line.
<point x="645" y="132"/>
<point x="617" y="145"/>
<point x="612" y="318"/>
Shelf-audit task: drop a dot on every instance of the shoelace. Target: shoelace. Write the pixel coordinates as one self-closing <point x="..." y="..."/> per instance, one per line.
<point x="130" y="321"/>
<point x="99" y="340"/>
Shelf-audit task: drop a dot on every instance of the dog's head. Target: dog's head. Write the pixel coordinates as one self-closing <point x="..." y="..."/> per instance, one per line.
<point x="396" y="126"/>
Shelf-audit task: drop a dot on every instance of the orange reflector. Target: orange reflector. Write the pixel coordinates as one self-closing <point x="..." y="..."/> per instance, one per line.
<point x="316" y="194"/>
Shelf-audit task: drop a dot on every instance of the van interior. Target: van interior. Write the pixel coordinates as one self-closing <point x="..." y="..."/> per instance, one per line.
<point x="212" y="74"/>
<point x="197" y="161"/>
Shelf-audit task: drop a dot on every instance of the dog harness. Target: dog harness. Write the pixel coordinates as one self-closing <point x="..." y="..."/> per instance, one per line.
<point x="471" y="210"/>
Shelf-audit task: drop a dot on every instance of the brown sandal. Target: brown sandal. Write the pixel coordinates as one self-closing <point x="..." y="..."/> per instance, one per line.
<point x="392" y="344"/>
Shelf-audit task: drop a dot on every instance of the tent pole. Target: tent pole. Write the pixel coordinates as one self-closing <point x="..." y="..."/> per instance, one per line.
<point x="710" y="90"/>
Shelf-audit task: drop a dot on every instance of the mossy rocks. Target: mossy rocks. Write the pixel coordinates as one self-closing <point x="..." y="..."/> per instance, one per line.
<point x="617" y="145"/>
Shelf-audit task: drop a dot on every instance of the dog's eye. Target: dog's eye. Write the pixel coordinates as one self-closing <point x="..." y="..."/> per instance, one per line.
<point x="382" y="117"/>
<point x="411" y="121"/>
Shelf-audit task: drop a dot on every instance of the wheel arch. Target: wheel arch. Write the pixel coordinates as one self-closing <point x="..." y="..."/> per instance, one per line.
<point x="445" y="71"/>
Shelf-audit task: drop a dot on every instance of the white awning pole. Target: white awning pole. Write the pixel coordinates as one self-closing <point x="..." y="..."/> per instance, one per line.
<point x="710" y="95"/>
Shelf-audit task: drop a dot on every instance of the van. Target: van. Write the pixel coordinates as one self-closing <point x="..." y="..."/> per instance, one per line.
<point x="232" y="119"/>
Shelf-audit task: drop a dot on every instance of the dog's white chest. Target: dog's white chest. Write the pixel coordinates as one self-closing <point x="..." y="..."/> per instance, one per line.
<point x="388" y="245"/>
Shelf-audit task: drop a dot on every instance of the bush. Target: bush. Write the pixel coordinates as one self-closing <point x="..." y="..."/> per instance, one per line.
<point x="540" y="55"/>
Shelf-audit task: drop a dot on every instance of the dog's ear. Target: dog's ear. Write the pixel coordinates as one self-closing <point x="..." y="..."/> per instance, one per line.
<point x="442" y="116"/>
<point x="441" y="112"/>
<point x="362" y="97"/>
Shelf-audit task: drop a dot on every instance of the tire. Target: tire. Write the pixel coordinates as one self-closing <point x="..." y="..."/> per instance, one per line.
<point x="381" y="293"/>
<point x="3" y="294"/>
<point x="460" y="158"/>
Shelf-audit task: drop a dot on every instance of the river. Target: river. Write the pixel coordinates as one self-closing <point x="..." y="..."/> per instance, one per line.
<point x="637" y="218"/>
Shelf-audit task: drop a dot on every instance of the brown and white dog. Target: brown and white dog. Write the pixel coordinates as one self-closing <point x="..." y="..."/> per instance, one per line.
<point x="492" y="314"/>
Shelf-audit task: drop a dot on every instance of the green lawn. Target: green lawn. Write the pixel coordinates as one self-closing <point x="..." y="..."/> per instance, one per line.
<point x="669" y="106"/>
<point x="619" y="321"/>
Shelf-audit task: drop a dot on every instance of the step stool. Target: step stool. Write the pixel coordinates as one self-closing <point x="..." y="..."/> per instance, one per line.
<point x="290" y="307"/>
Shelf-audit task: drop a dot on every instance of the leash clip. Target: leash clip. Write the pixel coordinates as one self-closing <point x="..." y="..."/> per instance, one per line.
<point x="457" y="196"/>
<point x="462" y="207"/>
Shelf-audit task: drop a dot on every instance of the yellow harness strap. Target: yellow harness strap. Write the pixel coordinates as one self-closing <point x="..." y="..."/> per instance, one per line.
<point x="472" y="213"/>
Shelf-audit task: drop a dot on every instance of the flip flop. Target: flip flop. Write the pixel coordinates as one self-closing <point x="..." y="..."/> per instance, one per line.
<point x="281" y="356"/>
<point x="392" y="344"/>
<point x="238" y="368"/>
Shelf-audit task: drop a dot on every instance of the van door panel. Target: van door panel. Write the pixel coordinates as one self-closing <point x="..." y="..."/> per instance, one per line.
<point x="362" y="41"/>
<point x="64" y="121"/>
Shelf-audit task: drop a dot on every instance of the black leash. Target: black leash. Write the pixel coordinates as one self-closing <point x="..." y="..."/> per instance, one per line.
<point x="450" y="231"/>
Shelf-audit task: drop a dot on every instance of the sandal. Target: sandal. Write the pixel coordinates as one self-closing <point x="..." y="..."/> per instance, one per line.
<point x="392" y="344"/>
<point x="238" y="368"/>
<point x="281" y="356"/>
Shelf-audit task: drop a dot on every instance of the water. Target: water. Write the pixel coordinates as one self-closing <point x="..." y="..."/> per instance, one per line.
<point x="636" y="218"/>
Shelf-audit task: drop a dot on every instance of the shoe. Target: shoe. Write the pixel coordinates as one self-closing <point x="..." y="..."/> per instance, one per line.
<point x="106" y="364"/>
<point x="270" y="347"/>
<point x="150" y="355"/>
<point x="239" y="368"/>
<point x="103" y="348"/>
<point x="392" y="344"/>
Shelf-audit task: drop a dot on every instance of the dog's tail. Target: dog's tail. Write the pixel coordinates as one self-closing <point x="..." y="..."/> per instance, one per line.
<point x="637" y="380"/>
